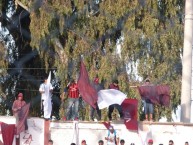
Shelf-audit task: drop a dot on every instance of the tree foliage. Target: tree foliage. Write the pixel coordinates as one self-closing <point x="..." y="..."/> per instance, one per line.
<point x="149" y="34"/>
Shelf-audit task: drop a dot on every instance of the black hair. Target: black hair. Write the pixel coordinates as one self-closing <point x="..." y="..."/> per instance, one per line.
<point x="147" y="80"/>
<point x="122" y="140"/>
<point x="101" y="141"/>
<point x="50" y="141"/>
<point x="45" y="77"/>
<point x="171" y="141"/>
<point x="116" y="81"/>
<point x="72" y="81"/>
<point x="72" y="144"/>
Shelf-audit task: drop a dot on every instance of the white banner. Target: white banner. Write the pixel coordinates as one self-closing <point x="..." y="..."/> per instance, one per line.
<point x="110" y="96"/>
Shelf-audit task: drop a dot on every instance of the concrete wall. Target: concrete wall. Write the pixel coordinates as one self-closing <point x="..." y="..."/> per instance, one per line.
<point x="35" y="134"/>
<point x="92" y="132"/>
<point x="64" y="133"/>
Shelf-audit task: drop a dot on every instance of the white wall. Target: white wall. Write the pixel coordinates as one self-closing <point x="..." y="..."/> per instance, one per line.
<point x="63" y="133"/>
<point x="35" y="134"/>
<point x="92" y="132"/>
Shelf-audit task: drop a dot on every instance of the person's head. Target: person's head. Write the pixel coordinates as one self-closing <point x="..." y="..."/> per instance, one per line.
<point x="111" y="129"/>
<point x="186" y="143"/>
<point x="72" y="81"/>
<point x="50" y="142"/>
<point x="122" y="141"/>
<point x="147" y="81"/>
<point x="101" y="142"/>
<point x="83" y="142"/>
<point x="20" y="96"/>
<point x="150" y="142"/>
<point x="45" y="79"/>
<point x="171" y="142"/>
<point x="116" y="82"/>
<point x="72" y="144"/>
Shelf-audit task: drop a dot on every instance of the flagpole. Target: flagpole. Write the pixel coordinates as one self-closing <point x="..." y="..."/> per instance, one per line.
<point x="187" y="63"/>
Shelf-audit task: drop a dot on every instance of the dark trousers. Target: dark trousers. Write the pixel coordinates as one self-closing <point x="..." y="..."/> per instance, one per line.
<point x="111" y="108"/>
<point x="92" y="112"/>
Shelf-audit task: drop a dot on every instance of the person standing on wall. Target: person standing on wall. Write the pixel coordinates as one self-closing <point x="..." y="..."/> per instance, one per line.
<point x="73" y="99"/>
<point x="115" y="86"/>
<point x="98" y="87"/>
<point x="16" y="108"/>
<point x="46" y="90"/>
<point x="148" y="105"/>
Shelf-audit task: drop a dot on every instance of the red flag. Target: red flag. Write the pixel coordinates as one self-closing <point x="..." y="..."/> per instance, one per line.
<point x="8" y="131"/>
<point x="87" y="91"/>
<point x="157" y="94"/>
<point x="164" y="95"/>
<point x="107" y="124"/>
<point x="129" y="107"/>
<point x="22" y="114"/>
<point x="0" y="126"/>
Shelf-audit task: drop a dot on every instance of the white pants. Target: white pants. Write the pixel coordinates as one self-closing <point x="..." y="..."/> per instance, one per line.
<point x="47" y="104"/>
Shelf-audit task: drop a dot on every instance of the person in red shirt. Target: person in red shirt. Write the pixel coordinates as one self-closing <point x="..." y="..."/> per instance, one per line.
<point x="73" y="100"/>
<point x="114" y="85"/>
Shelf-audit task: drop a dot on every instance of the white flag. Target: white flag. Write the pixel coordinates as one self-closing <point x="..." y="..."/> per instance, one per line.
<point x="110" y="96"/>
<point x="49" y="78"/>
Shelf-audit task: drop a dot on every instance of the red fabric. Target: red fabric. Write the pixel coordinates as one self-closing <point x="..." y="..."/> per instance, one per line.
<point x="87" y="91"/>
<point x="112" y="86"/>
<point x="129" y="107"/>
<point x="73" y="91"/>
<point x="107" y="124"/>
<point x="22" y="114"/>
<point x="8" y="132"/>
<point x="164" y="95"/>
<point x="157" y="94"/>
<point x="0" y="126"/>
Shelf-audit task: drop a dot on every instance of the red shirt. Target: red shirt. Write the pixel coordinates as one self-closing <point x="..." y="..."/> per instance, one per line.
<point x="73" y="91"/>
<point x="112" y="86"/>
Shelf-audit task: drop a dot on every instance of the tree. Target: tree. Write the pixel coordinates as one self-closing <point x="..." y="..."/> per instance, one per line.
<point x="149" y="32"/>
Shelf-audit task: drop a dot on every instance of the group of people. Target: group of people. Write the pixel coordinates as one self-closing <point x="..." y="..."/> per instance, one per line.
<point x="72" y="95"/>
<point x="101" y="142"/>
<point x="122" y="142"/>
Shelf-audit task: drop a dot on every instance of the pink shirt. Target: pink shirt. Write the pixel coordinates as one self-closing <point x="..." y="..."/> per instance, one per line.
<point x="17" y="104"/>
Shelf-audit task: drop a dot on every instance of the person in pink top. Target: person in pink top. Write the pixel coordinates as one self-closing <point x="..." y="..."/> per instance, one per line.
<point x="17" y="105"/>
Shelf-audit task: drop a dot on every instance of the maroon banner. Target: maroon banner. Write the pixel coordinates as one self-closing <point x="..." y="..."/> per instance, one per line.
<point x="129" y="107"/>
<point x="87" y="91"/>
<point x="107" y="124"/>
<point x="22" y="116"/>
<point x="0" y="126"/>
<point x="164" y="95"/>
<point x="8" y="132"/>
<point x="157" y="94"/>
